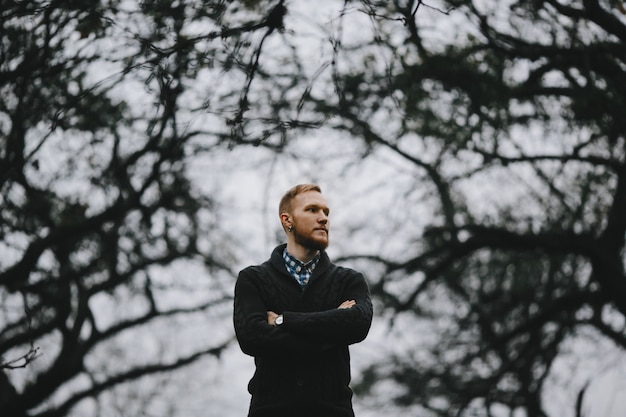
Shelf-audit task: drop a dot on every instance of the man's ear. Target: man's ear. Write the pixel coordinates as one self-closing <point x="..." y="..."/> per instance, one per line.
<point x="285" y="219"/>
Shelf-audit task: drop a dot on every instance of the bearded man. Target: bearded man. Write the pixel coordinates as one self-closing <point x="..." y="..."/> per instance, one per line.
<point x="297" y="313"/>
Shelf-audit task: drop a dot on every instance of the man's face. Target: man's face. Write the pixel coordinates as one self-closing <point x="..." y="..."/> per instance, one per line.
<point x="309" y="216"/>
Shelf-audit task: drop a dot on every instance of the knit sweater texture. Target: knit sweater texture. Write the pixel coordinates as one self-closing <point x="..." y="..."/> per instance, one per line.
<point x="302" y="365"/>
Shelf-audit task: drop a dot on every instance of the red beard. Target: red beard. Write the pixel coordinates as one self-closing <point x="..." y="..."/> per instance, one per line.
<point x="308" y="240"/>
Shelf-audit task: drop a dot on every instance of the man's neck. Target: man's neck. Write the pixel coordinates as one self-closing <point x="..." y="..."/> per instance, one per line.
<point x="301" y="253"/>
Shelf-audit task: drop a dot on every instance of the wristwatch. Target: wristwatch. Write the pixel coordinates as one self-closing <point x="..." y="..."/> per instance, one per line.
<point x="279" y="320"/>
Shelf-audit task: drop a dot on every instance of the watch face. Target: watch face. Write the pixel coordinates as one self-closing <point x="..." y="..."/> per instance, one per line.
<point x="279" y="320"/>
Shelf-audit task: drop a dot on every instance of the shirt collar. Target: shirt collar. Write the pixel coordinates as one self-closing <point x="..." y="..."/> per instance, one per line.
<point x="298" y="269"/>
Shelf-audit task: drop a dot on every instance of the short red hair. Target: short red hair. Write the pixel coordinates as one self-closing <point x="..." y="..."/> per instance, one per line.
<point x="285" y="202"/>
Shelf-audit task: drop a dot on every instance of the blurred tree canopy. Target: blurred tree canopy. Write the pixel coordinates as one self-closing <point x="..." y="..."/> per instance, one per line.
<point x="96" y="142"/>
<point x="513" y="132"/>
<point x="500" y="197"/>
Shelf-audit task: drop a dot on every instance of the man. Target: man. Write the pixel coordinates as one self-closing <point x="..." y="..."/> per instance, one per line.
<point x="297" y="313"/>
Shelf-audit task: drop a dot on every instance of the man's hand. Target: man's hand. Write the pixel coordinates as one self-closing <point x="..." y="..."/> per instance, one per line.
<point x="347" y="304"/>
<point x="271" y="318"/>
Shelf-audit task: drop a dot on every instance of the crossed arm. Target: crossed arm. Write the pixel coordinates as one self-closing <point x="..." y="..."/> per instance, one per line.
<point x="301" y="332"/>
<point x="271" y="316"/>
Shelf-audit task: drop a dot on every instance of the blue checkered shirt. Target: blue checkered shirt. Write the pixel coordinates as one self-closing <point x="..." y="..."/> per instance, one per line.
<point x="300" y="271"/>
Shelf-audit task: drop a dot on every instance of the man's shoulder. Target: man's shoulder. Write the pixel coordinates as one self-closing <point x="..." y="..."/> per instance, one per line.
<point x="345" y="272"/>
<point x="266" y="269"/>
<point x="256" y="269"/>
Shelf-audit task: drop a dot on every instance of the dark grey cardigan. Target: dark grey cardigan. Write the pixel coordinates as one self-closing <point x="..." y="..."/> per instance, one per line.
<point x="303" y="365"/>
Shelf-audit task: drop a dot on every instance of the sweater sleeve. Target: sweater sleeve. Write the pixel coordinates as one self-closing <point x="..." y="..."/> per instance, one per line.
<point x="337" y="326"/>
<point x="255" y="335"/>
